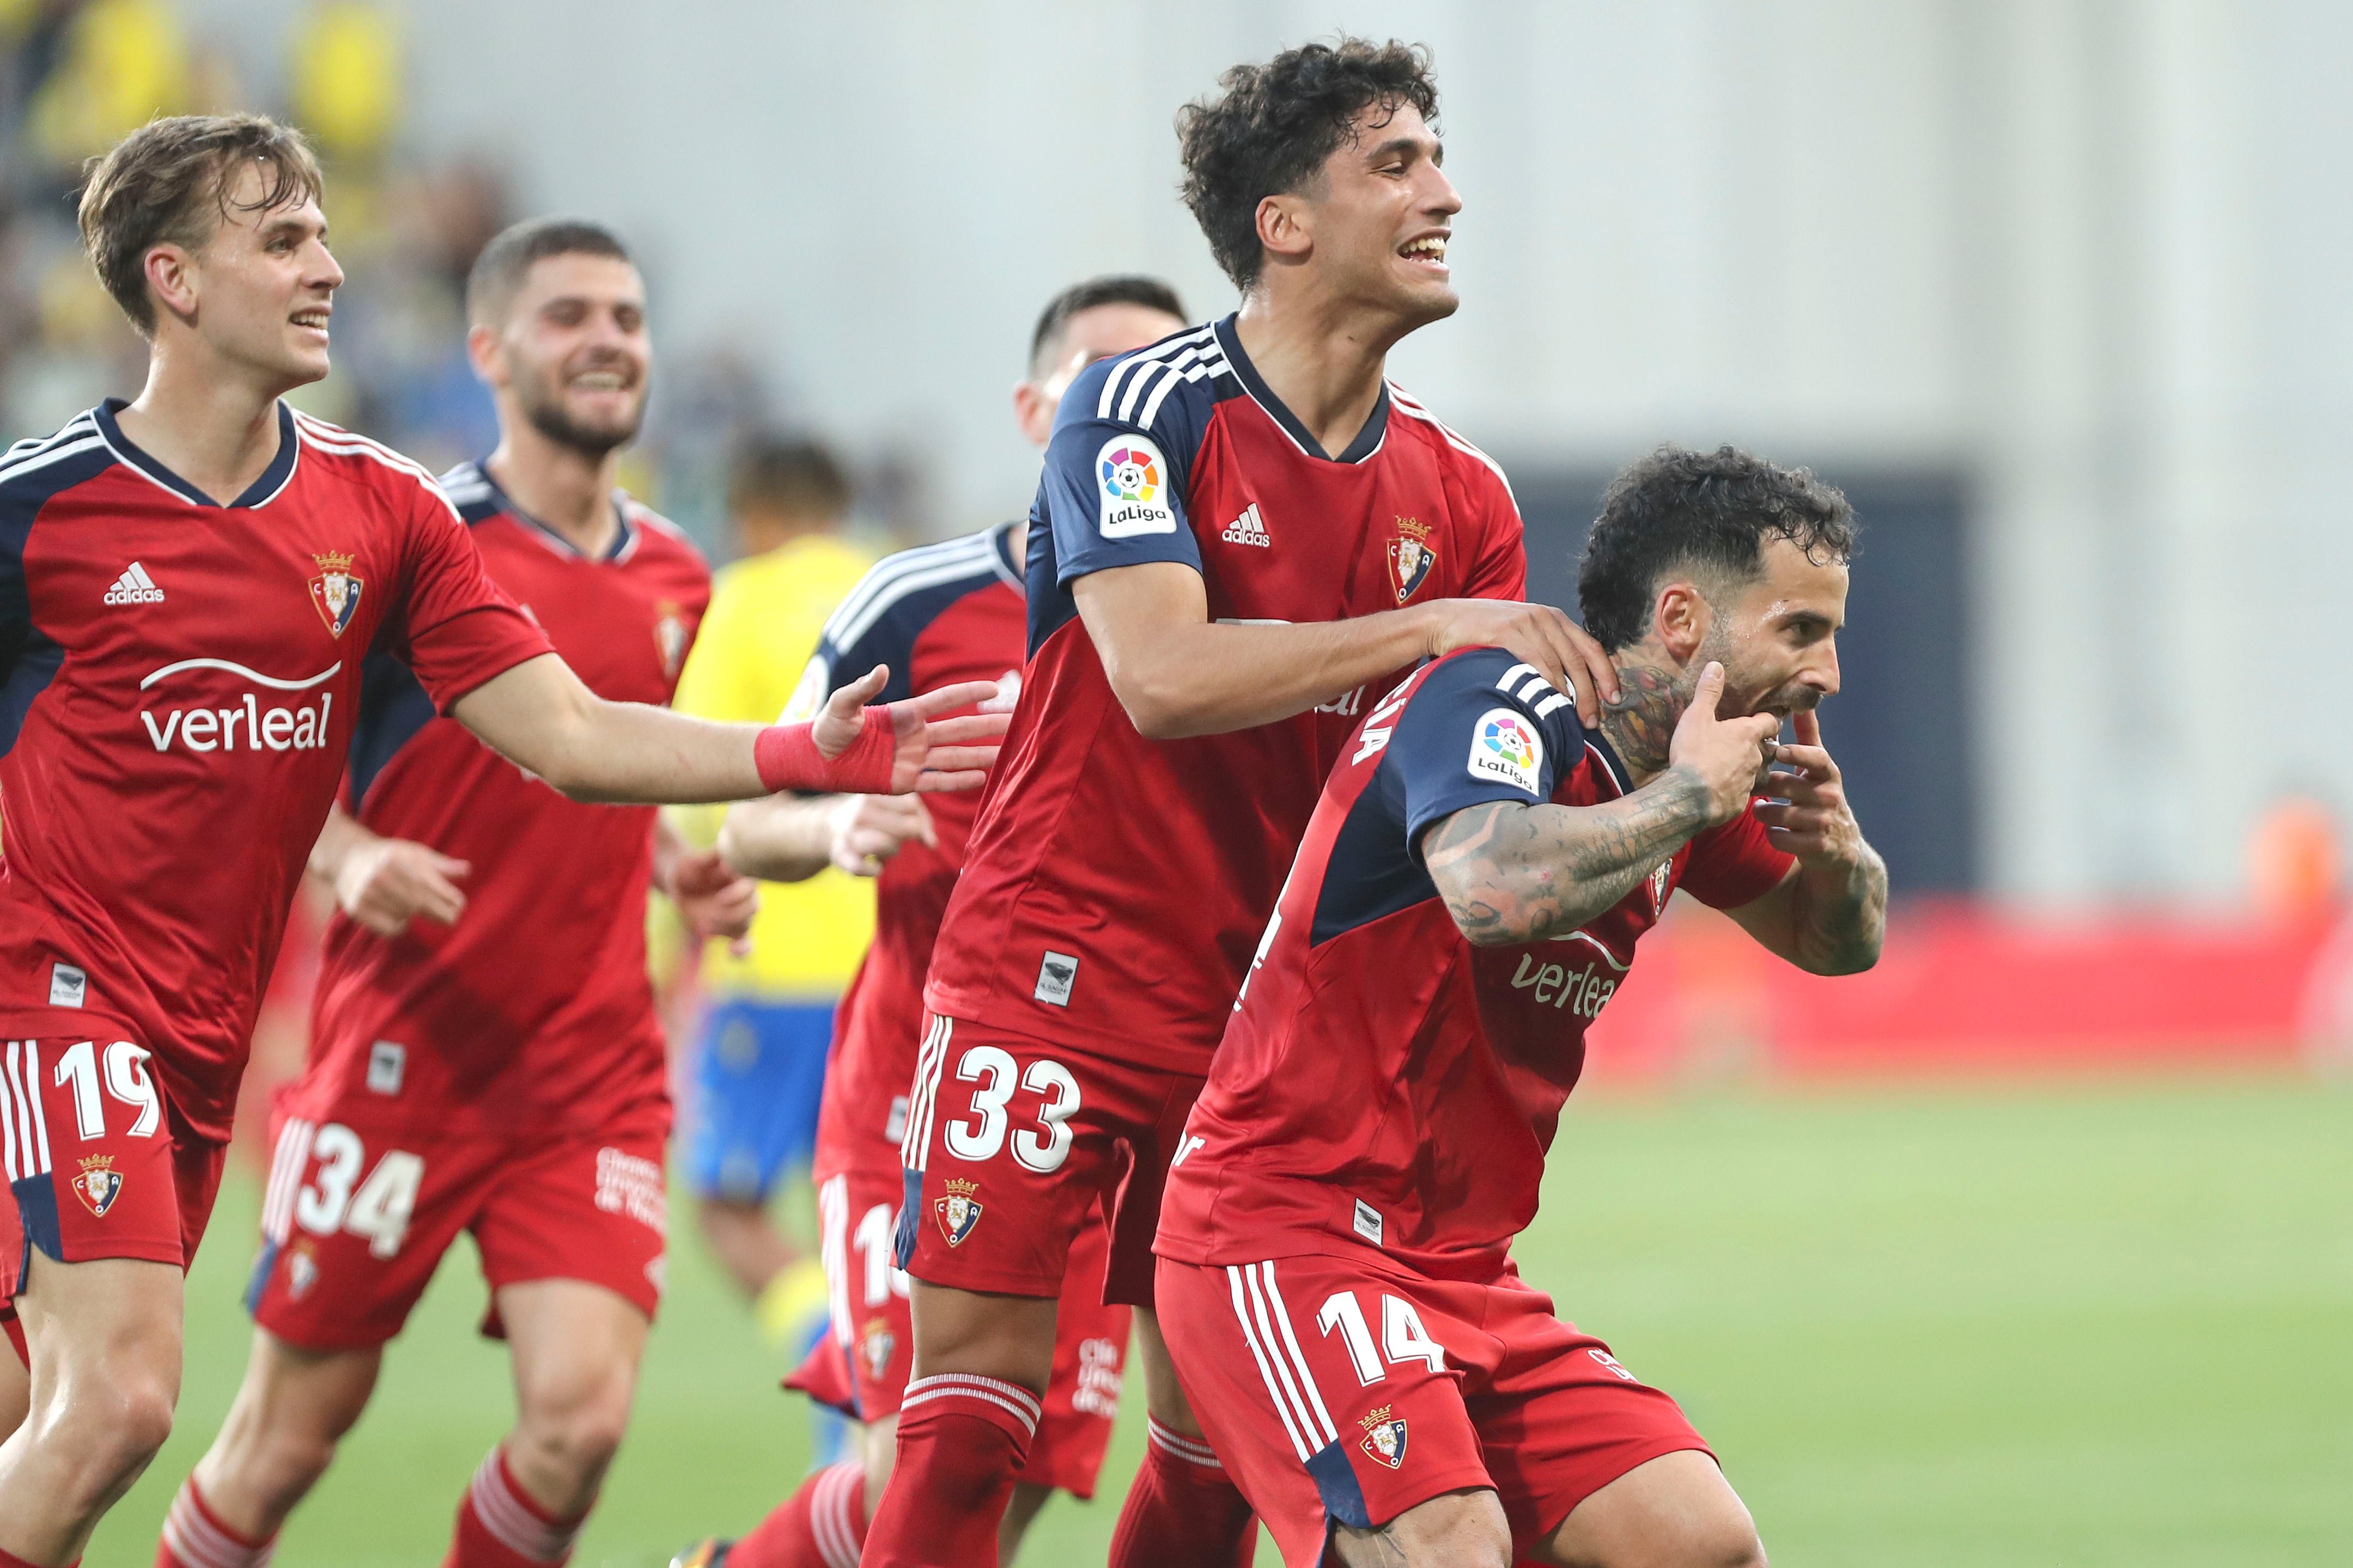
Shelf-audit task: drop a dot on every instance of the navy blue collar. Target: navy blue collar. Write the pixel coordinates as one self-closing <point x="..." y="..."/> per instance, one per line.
<point x="258" y="493"/>
<point x="623" y="534"/>
<point x="1599" y="744"/>
<point x="1006" y="567"/>
<point x="1369" y="439"/>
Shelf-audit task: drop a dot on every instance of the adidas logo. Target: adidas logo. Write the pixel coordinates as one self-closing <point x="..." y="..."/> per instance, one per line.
<point x="1247" y="529"/>
<point x="134" y="587"/>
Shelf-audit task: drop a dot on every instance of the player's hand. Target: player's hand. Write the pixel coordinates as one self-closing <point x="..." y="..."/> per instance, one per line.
<point x="713" y="901"/>
<point x="1810" y="818"/>
<point x="1725" y="754"/>
<point x="868" y="829"/>
<point x="1537" y="634"/>
<point x="384" y="883"/>
<point x="936" y="753"/>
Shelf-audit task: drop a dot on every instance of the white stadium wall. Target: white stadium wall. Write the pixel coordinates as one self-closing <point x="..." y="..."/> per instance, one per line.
<point x="2086" y="257"/>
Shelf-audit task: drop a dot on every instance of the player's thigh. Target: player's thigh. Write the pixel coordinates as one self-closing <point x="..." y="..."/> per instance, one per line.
<point x="588" y="1207"/>
<point x="292" y="1406"/>
<point x="355" y="1217"/>
<point x="15" y="1377"/>
<point x="1673" y="1511"/>
<point x="1011" y="1143"/>
<point x="576" y="1347"/>
<point x="1082" y="1392"/>
<point x="1563" y="1422"/>
<point x="1456" y="1530"/>
<point x="105" y="1338"/>
<point x="1327" y="1406"/>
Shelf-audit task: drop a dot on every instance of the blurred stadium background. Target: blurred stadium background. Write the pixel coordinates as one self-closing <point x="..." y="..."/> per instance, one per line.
<point x="2033" y="1246"/>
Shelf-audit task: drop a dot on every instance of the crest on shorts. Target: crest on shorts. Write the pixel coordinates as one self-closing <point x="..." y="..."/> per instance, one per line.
<point x="876" y="1346"/>
<point x="957" y="1212"/>
<point x="98" y="1185"/>
<point x="1383" y="1436"/>
<point x="335" y="592"/>
<point x="301" y="1270"/>
<point x="1411" y="557"/>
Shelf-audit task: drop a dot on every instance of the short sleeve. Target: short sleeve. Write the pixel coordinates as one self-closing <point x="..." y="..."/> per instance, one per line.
<point x="1481" y="728"/>
<point x="1734" y="863"/>
<point x="458" y="628"/>
<point x="1501" y="570"/>
<point x="1113" y="493"/>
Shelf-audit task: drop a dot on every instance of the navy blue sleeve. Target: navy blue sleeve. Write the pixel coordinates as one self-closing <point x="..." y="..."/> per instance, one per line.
<point x="1481" y="727"/>
<point x="1116" y="470"/>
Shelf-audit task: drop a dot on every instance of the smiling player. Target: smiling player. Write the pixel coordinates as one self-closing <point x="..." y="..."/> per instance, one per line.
<point x="189" y="584"/>
<point x="1336" y="1277"/>
<point x="1240" y="531"/>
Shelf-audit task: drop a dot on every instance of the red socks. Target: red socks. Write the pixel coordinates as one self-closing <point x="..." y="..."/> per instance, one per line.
<point x="194" y="1538"/>
<point x="823" y="1525"/>
<point x="1183" y="1511"/>
<point x="961" y="1437"/>
<point x="498" y="1525"/>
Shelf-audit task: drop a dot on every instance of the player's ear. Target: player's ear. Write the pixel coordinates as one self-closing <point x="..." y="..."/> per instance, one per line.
<point x="482" y="353"/>
<point x="1033" y="412"/>
<point x="1681" y="620"/>
<point x="170" y="279"/>
<point x="1283" y="227"/>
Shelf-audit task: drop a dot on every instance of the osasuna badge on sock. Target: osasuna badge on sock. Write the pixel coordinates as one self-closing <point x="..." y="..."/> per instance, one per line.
<point x="98" y="1185"/>
<point x="1384" y="1436"/>
<point x="959" y="1212"/>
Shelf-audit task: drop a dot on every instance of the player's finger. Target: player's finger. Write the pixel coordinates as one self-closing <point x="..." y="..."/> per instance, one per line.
<point x="854" y="695"/>
<point x="1808" y="726"/>
<point x="1597" y="665"/>
<point x="931" y="782"/>
<point x="952" y="757"/>
<point x="1708" y="691"/>
<point x="969" y="728"/>
<point x="444" y="865"/>
<point x="948" y="698"/>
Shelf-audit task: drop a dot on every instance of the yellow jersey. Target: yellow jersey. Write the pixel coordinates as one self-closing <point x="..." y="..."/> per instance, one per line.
<point x="758" y="637"/>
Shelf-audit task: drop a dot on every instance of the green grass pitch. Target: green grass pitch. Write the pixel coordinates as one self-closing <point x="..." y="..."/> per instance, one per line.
<point x="1939" y="1327"/>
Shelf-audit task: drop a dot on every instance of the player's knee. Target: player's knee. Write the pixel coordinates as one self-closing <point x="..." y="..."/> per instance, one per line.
<point x="108" y="1432"/>
<point x="580" y="1433"/>
<point x="1718" y="1538"/>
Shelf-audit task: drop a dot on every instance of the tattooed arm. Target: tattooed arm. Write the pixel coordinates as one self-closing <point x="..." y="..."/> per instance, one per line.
<point x="1512" y="873"/>
<point x="1828" y="915"/>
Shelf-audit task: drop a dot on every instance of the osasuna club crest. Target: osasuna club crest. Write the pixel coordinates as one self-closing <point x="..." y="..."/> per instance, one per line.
<point x="959" y="1212"/>
<point x="1384" y="1436"/>
<point x="1411" y="557"/>
<point x="334" y="591"/>
<point x="1659" y="889"/>
<point x="670" y="637"/>
<point x="98" y="1185"/>
<point x="876" y="1345"/>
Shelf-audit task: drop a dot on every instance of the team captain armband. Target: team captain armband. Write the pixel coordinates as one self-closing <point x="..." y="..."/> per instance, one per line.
<point x="788" y="758"/>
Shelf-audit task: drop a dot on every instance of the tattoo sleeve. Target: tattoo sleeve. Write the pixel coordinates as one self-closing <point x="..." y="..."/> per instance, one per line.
<point x="1838" y="917"/>
<point x="1512" y="873"/>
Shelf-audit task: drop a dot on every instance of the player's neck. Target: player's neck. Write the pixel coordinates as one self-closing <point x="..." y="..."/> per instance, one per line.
<point x="1322" y="357"/>
<point x="212" y="424"/>
<point x="560" y="486"/>
<point x="1639" y="726"/>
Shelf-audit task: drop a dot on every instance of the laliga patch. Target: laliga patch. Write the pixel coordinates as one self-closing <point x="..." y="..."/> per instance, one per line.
<point x="1131" y="478"/>
<point x="1384" y="1436"/>
<point x="958" y="1213"/>
<point x="1505" y="747"/>
<point x="98" y="1185"/>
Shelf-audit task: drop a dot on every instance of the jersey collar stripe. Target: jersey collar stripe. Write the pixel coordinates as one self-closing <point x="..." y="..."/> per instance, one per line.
<point x="335" y="438"/>
<point x="971" y="553"/>
<point x="33" y="464"/>
<point x="1413" y="410"/>
<point x="625" y="540"/>
<point x="1275" y="1392"/>
<point x="80" y="429"/>
<point x="272" y="482"/>
<point x="1611" y="765"/>
<point x="1134" y="362"/>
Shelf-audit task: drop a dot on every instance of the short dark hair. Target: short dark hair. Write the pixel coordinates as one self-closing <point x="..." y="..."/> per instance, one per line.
<point x="168" y="183"/>
<point x="1274" y="126"/>
<point x="499" y="271"/>
<point x="1707" y="513"/>
<point x="797" y="477"/>
<point x="1112" y="288"/>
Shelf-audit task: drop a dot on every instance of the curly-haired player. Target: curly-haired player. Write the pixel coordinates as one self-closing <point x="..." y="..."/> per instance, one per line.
<point x="1241" y="530"/>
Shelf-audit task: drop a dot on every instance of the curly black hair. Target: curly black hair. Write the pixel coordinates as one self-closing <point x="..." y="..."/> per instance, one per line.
<point x="1275" y="124"/>
<point x="1707" y="513"/>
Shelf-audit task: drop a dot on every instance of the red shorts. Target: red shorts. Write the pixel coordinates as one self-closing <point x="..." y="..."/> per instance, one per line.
<point x="1019" y="1141"/>
<point x="357" y="1215"/>
<point x="1346" y="1389"/>
<point x="99" y="1164"/>
<point x="860" y="1367"/>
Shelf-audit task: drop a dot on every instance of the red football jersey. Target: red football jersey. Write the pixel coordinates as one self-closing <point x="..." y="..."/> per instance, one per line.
<point x="936" y="615"/>
<point x="535" y="1008"/>
<point x="1116" y="886"/>
<point x="181" y="681"/>
<point x="1383" y="1082"/>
